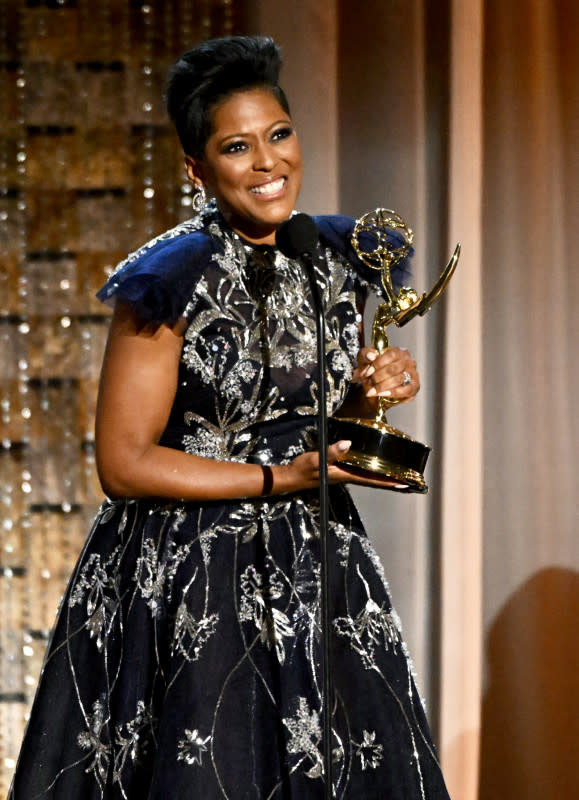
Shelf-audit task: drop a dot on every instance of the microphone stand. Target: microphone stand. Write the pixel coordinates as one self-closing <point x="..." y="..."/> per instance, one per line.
<point x="324" y="577"/>
<point x="297" y="237"/>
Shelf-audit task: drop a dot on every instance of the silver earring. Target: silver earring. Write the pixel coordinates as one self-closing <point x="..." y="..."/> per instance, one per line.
<point x="199" y="198"/>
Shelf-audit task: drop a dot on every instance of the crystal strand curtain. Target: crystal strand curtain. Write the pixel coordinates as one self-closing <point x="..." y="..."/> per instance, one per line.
<point x="89" y="169"/>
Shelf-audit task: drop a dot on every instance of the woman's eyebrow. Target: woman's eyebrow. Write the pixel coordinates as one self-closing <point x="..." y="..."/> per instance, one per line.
<point x="241" y="134"/>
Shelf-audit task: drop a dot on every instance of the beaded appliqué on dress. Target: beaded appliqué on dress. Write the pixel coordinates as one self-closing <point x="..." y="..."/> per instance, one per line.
<point x="251" y="343"/>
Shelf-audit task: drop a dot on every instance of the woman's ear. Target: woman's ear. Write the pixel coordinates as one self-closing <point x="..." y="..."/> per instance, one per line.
<point x="194" y="170"/>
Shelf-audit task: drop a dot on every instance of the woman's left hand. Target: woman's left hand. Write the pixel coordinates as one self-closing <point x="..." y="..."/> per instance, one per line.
<point x="390" y="374"/>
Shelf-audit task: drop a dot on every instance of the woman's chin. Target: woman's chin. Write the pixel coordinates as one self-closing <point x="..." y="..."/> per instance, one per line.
<point x="262" y="232"/>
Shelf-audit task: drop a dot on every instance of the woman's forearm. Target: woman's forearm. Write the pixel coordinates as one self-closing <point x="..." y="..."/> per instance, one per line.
<point x="160" y="471"/>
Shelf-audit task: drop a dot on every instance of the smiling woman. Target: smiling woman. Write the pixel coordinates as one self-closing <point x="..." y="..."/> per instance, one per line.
<point x="185" y="661"/>
<point x="252" y="164"/>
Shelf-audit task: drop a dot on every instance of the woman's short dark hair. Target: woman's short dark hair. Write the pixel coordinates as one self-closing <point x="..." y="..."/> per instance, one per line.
<point x="209" y="73"/>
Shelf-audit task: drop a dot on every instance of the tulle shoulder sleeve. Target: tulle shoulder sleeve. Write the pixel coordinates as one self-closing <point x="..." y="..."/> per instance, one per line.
<point x="336" y="232"/>
<point x="159" y="279"/>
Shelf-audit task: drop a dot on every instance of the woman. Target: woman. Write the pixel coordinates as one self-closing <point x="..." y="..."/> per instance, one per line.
<point x="185" y="661"/>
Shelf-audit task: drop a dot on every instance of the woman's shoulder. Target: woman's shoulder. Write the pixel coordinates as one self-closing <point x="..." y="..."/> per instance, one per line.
<point x="335" y="224"/>
<point x="336" y="232"/>
<point x="158" y="278"/>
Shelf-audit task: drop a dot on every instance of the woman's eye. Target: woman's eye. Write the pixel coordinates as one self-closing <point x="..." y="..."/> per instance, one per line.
<point x="282" y="133"/>
<point x="234" y="147"/>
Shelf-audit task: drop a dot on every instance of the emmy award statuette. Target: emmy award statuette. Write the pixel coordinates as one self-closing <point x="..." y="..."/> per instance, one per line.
<point x="379" y="451"/>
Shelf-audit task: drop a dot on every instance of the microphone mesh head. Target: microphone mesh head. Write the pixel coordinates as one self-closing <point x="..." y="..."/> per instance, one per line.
<point x="297" y="236"/>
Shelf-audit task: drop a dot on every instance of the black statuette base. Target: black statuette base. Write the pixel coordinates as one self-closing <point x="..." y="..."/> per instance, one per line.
<point x="380" y="451"/>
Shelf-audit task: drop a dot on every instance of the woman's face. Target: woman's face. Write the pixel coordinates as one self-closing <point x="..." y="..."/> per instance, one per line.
<point x="252" y="164"/>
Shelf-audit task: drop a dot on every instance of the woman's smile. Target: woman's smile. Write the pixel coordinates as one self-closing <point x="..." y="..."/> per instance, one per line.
<point x="270" y="188"/>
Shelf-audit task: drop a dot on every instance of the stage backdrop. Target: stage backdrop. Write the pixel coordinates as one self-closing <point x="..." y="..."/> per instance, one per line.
<point x="463" y="116"/>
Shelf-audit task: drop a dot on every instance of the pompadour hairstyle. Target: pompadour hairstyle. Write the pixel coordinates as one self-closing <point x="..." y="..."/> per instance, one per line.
<point x="209" y="73"/>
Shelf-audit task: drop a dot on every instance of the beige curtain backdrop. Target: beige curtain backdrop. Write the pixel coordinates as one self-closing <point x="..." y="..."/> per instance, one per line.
<point x="463" y="115"/>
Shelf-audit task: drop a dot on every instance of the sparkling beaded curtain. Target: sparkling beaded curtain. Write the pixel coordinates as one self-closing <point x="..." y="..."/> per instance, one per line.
<point x="89" y="169"/>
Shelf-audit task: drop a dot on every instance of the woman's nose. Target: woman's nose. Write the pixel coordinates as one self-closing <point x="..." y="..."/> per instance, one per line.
<point x="264" y="158"/>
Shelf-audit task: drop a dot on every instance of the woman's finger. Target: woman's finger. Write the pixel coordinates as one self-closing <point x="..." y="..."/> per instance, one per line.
<point x="338" y="475"/>
<point x="366" y="359"/>
<point x="338" y="449"/>
<point x="395" y="375"/>
<point x="405" y="383"/>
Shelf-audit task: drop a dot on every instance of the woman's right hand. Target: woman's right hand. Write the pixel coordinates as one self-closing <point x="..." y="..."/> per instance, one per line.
<point x="304" y="471"/>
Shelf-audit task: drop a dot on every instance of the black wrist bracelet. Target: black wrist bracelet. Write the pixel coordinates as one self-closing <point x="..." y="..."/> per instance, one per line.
<point x="267" y="480"/>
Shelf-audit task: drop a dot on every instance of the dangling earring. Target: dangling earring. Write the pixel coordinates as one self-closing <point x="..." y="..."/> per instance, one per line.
<point x="199" y="198"/>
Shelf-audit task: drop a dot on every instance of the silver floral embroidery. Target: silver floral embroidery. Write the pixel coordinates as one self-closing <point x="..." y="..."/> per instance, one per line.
<point x="231" y="336"/>
<point x="253" y="518"/>
<point x="344" y="536"/>
<point x="191" y="634"/>
<point x="306" y="618"/>
<point x="256" y="606"/>
<point x="351" y="335"/>
<point x="191" y="748"/>
<point x="374" y="559"/>
<point x="205" y="540"/>
<point x="373" y="627"/>
<point x="99" y="583"/>
<point x="369" y="752"/>
<point x="305" y="737"/>
<point x="307" y="581"/>
<point x="241" y="374"/>
<point x="154" y="576"/>
<point x="133" y="739"/>
<point x="196" y="363"/>
<point x="93" y="740"/>
<point x="179" y="515"/>
<point x="206" y="443"/>
<point x="342" y="363"/>
<point x="372" y="555"/>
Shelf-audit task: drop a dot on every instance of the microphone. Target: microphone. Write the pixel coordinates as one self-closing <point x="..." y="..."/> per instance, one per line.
<point x="297" y="236"/>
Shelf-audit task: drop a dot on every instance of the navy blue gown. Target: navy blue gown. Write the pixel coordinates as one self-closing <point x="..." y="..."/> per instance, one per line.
<point x="185" y="662"/>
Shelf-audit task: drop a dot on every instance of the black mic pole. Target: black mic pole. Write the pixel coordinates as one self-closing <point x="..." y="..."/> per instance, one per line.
<point x="324" y="531"/>
<point x="298" y="238"/>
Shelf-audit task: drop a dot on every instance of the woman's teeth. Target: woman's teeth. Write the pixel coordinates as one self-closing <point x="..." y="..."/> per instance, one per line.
<point x="269" y="188"/>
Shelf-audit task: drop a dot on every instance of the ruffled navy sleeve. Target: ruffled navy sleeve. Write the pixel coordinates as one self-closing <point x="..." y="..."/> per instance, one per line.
<point x="158" y="280"/>
<point x="336" y="232"/>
